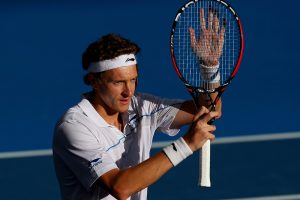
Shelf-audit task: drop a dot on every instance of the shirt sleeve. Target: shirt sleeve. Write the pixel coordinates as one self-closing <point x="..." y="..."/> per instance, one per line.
<point x="82" y="152"/>
<point x="163" y="111"/>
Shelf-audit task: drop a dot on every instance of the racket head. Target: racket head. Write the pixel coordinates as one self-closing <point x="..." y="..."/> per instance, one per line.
<point x="186" y="62"/>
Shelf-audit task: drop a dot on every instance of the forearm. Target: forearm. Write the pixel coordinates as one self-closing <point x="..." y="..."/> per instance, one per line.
<point x="185" y="115"/>
<point x="188" y="109"/>
<point x="123" y="183"/>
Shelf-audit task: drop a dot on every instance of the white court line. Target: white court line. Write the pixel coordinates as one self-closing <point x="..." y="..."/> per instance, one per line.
<point x="245" y="138"/>
<point x="279" y="197"/>
<point x="23" y="154"/>
<point x="224" y="140"/>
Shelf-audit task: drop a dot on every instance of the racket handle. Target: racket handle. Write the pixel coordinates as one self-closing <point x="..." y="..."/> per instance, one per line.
<point x="204" y="162"/>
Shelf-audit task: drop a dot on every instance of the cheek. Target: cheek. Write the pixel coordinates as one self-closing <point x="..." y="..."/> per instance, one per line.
<point x="108" y="94"/>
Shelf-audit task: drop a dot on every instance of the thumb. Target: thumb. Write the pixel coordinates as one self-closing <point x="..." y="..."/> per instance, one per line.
<point x="203" y="110"/>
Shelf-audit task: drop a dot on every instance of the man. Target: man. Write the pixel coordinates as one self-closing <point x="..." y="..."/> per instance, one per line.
<point x="101" y="146"/>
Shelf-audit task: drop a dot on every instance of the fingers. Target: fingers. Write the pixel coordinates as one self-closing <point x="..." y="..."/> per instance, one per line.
<point x="216" y="23"/>
<point x="205" y="115"/>
<point x="202" y="19"/>
<point x="209" y="128"/>
<point x="208" y="47"/>
<point x="209" y="132"/>
<point x="203" y="110"/>
<point x="192" y="37"/>
<point x="221" y="39"/>
<point x="209" y="117"/>
<point x="210" y="19"/>
<point x="222" y="31"/>
<point x="200" y="131"/>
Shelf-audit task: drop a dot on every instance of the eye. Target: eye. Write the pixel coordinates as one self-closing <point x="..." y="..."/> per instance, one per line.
<point x="133" y="80"/>
<point x="118" y="82"/>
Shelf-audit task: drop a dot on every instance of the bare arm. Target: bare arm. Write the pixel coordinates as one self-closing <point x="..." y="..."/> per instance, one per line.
<point x="188" y="109"/>
<point x="123" y="183"/>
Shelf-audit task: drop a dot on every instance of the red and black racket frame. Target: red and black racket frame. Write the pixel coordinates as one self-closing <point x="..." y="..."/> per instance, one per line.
<point x="195" y="91"/>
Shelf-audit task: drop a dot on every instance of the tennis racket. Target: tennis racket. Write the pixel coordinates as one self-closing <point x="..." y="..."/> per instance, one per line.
<point x="206" y="44"/>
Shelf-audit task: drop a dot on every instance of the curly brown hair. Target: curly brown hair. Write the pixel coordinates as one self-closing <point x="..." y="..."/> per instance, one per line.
<point x="107" y="47"/>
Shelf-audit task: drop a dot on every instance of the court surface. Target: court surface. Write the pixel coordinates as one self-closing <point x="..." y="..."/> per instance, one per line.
<point x="242" y="168"/>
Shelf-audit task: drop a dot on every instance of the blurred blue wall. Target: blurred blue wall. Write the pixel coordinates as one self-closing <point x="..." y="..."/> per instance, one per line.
<point x="40" y="54"/>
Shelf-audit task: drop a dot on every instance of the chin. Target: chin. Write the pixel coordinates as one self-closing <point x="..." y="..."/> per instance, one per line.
<point x="123" y="108"/>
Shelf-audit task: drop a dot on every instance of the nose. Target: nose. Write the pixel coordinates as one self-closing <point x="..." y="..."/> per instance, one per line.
<point x="128" y="89"/>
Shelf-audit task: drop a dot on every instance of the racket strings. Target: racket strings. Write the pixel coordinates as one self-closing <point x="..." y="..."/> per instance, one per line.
<point x="190" y="54"/>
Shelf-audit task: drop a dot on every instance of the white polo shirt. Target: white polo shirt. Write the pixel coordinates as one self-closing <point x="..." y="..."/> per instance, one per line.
<point x="85" y="146"/>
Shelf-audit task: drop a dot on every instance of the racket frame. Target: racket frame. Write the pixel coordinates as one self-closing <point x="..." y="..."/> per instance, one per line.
<point x="196" y="91"/>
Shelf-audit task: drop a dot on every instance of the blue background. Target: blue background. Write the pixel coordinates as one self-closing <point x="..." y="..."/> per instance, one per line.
<point x="40" y="55"/>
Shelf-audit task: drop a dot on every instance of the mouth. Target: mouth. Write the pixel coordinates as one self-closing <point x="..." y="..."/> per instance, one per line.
<point x="125" y="101"/>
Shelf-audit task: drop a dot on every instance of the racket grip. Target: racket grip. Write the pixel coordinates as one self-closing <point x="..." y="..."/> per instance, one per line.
<point x="204" y="163"/>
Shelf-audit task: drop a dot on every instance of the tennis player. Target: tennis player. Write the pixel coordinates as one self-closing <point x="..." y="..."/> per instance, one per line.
<point x="101" y="146"/>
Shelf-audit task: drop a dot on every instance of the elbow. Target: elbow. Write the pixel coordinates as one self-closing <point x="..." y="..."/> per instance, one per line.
<point x="120" y="192"/>
<point x="117" y="184"/>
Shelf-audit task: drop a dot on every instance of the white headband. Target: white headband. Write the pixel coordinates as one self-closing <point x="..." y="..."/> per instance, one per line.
<point x="120" y="61"/>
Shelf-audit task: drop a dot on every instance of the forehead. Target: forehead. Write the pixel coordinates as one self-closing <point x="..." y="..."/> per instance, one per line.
<point x="122" y="73"/>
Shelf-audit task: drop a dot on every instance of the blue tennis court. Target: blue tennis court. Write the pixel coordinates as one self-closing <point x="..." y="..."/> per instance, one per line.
<point x="256" y="153"/>
<point x="242" y="168"/>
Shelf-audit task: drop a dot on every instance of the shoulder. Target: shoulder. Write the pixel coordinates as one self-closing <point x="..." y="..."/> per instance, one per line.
<point x="144" y="99"/>
<point x="74" y="123"/>
<point x="140" y="98"/>
<point x="74" y="115"/>
<point x="144" y="103"/>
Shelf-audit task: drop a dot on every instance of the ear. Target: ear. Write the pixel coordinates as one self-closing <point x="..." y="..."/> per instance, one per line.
<point x="92" y="81"/>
